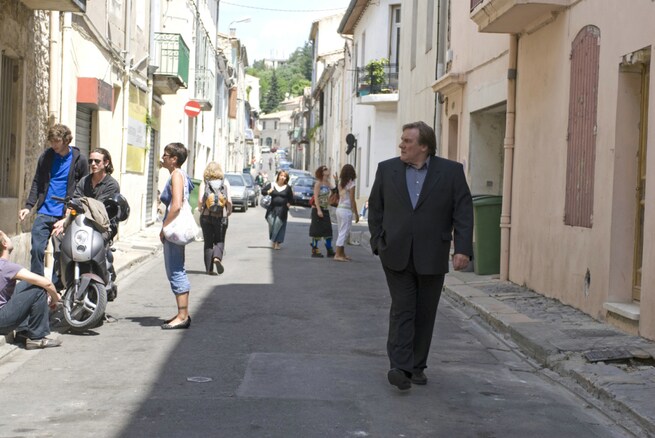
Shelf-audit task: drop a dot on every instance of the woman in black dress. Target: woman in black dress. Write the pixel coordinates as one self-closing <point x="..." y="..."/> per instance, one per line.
<point x="277" y="212"/>
<point x="321" y="226"/>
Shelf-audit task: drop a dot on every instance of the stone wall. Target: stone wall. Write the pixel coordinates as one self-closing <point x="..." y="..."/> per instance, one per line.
<point x="24" y="34"/>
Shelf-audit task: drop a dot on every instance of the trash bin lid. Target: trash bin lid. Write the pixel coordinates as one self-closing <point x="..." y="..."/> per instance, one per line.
<point x="487" y="200"/>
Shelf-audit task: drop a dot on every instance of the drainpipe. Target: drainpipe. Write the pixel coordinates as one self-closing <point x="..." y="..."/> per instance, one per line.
<point x="66" y="78"/>
<point x="506" y="212"/>
<point x="126" y="87"/>
<point x="54" y="82"/>
<point x="442" y="17"/>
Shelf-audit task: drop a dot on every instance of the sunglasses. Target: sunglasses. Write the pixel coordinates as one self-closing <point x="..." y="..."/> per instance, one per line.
<point x="94" y="161"/>
<point x="165" y="155"/>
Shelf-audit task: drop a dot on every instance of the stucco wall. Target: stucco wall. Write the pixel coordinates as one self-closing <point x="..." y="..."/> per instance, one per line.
<point x="545" y="254"/>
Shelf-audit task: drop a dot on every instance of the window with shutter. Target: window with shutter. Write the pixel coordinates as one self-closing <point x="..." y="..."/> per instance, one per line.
<point x="581" y="149"/>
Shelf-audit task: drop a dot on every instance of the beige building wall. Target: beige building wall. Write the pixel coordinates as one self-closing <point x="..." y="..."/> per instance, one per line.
<point x="584" y="267"/>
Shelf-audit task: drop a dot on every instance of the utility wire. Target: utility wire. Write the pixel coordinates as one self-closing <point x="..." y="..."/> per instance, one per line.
<point x="281" y="10"/>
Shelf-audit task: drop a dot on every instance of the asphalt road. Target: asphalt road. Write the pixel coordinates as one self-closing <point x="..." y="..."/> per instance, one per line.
<point x="281" y="345"/>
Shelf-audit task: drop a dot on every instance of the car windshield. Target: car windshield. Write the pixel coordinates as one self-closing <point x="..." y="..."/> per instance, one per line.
<point x="235" y="180"/>
<point x="249" y="180"/>
<point x="304" y="182"/>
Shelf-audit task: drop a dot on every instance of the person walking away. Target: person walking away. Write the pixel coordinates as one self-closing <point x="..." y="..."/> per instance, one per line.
<point x="215" y="207"/>
<point x="346" y="209"/>
<point x="278" y="211"/>
<point x="175" y="193"/>
<point x="59" y="168"/>
<point x="418" y="202"/>
<point x="320" y="226"/>
<point x="24" y="308"/>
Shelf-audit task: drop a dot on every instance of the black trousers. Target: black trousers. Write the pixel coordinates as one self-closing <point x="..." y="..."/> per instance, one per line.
<point x="414" y="301"/>
<point x="213" y="233"/>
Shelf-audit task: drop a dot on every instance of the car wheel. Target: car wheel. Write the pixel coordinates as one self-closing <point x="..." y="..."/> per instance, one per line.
<point x="245" y="206"/>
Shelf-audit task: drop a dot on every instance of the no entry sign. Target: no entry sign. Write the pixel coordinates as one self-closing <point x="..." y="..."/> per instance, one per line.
<point x="192" y="108"/>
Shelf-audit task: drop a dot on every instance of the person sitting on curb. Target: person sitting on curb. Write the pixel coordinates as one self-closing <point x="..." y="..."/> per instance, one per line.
<point x="24" y="308"/>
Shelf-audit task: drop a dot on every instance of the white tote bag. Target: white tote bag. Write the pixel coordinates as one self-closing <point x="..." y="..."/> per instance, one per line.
<point x="183" y="229"/>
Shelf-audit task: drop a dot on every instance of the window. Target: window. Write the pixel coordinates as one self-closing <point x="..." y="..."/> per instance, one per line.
<point x="581" y="149"/>
<point x="269" y="141"/>
<point x="414" y="36"/>
<point x="275" y="125"/>
<point x="10" y="105"/>
<point x="429" y="26"/>
<point x="263" y="124"/>
<point x="394" y="46"/>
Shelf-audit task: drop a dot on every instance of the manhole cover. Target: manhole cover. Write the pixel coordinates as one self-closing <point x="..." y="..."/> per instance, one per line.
<point x="199" y="379"/>
<point x="607" y="355"/>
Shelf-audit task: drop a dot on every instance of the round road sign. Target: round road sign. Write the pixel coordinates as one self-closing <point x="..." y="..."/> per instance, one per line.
<point x="192" y="108"/>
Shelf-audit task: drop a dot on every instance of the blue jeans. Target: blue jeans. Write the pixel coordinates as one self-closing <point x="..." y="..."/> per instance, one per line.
<point x="41" y="231"/>
<point x="26" y="310"/>
<point x="174" y="262"/>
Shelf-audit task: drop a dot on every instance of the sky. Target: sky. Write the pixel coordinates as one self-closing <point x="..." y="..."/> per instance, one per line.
<point x="277" y="27"/>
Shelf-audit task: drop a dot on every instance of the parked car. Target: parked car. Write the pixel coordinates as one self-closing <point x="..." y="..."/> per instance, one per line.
<point x="303" y="190"/>
<point x="238" y="191"/>
<point x="294" y="174"/>
<point x="253" y="189"/>
<point x="284" y="165"/>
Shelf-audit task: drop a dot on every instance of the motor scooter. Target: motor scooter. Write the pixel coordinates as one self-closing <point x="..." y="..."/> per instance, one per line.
<point x="85" y="269"/>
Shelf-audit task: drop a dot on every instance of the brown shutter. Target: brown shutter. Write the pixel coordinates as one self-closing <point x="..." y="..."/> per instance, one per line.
<point x="232" y="109"/>
<point x="581" y="151"/>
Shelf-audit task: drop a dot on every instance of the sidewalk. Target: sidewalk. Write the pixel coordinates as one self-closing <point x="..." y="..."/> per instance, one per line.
<point x="130" y="251"/>
<point x="614" y="366"/>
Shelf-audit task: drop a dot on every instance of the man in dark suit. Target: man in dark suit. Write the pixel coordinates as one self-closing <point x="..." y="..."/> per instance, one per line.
<point x="418" y="202"/>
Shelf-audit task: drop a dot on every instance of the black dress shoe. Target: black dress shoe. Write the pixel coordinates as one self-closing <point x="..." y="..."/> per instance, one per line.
<point x="183" y="325"/>
<point x="419" y="378"/>
<point x="399" y="379"/>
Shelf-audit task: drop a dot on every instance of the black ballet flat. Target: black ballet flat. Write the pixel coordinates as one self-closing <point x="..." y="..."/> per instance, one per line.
<point x="183" y="325"/>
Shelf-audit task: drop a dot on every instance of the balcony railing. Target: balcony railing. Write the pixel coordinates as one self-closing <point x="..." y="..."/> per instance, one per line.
<point x="172" y="58"/>
<point x="204" y="90"/>
<point x="377" y="79"/>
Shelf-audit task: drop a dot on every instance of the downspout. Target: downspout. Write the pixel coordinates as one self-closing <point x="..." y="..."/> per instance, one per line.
<point x="442" y="16"/>
<point x="55" y="70"/>
<point x="126" y="87"/>
<point x="65" y="80"/>
<point x="506" y="212"/>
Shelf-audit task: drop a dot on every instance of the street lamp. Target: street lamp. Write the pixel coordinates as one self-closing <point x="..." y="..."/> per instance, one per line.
<point x="242" y="20"/>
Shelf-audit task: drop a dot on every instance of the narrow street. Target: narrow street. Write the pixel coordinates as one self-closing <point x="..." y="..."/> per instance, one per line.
<point x="281" y="345"/>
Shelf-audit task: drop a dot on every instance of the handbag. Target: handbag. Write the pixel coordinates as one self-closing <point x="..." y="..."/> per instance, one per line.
<point x="265" y="201"/>
<point x="333" y="199"/>
<point x="183" y="229"/>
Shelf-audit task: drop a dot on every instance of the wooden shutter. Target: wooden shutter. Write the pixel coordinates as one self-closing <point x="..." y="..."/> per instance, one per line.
<point x="581" y="150"/>
<point x="232" y="108"/>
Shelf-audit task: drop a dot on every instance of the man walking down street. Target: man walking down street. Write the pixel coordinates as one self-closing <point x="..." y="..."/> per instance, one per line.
<point x="58" y="170"/>
<point x="418" y="202"/>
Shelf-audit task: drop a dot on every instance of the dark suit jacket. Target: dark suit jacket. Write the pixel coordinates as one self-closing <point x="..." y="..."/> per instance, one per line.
<point x="444" y="206"/>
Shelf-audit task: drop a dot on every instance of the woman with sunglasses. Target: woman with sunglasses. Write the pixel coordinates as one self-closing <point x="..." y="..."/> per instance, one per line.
<point x="175" y="194"/>
<point x="321" y="226"/>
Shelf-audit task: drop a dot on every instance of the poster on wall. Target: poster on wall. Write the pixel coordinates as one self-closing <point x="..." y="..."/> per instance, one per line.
<point x="137" y="131"/>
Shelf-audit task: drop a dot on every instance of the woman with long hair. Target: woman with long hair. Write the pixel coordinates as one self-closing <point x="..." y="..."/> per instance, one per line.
<point x="320" y="226"/>
<point x="345" y="210"/>
<point x="174" y="195"/>
<point x="214" y="219"/>
<point x="277" y="212"/>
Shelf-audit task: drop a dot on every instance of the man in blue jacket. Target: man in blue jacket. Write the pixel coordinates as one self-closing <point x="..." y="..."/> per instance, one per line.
<point x="58" y="171"/>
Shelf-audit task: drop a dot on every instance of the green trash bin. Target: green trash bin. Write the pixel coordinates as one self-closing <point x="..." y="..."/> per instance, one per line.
<point x="193" y="196"/>
<point x="486" y="234"/>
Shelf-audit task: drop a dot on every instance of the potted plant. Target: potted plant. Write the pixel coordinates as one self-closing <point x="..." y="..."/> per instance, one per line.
<point x="376" y="74"/>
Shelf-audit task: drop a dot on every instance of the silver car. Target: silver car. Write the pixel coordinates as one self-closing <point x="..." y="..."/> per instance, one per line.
<point x="238" y="191"/>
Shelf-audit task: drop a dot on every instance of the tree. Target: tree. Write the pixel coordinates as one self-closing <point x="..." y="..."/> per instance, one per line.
<point x="290" y="78"/>
<point x="272" y="99"/>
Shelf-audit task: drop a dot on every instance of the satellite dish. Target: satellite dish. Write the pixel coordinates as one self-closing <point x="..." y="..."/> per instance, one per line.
<point x="351" y="141"/>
